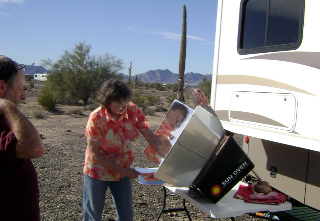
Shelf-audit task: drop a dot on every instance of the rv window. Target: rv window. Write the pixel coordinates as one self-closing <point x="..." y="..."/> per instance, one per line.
<point x="269" y="25"/>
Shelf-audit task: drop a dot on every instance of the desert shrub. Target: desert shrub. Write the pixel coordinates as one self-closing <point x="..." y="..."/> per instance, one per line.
<point x="161" y="109"/>
<point x="149" y="111"/>
<point x="138" y="98"/>
<point x="186" y="97"/>
<point x="173" y="87"/>
<point x="77" y="75"/>
<point x="171" y="97"/>
<point x="146" y="85"/>
<point x="158" y="86"/>
<point x="152" y="100"/>
<point x="153" y="85"/>
<point x="31" y="84"/>
<point x="77" y="112"/>
<point x="47" y="101"/>
<point x="91" y="107"/>
<point x="38" y="114"/>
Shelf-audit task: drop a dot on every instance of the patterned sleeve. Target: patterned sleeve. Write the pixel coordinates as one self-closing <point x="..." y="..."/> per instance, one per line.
<point x="94" y="128"/>
<point x="165" y="130"/>
<point x="142" y="121"/>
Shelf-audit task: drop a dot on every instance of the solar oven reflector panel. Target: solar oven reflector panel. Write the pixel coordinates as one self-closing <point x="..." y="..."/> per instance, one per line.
<point x="199" y="139"/>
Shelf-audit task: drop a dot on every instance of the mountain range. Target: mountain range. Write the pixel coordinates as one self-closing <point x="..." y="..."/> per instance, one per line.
<point x="32" y="69"/>
<point x="152" y="76"/>
<point x="167" y="77"/>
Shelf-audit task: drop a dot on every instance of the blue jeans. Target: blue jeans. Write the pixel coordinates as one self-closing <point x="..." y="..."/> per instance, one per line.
<point x="94" y="195"/>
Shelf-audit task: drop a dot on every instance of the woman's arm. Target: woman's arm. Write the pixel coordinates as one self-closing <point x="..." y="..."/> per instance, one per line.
<point x="96" y="156"/>
<point x="155" y="142"/>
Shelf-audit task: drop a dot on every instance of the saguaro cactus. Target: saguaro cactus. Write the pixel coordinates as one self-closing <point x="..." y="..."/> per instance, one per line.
<point x="129" y="72"/>
<point x="136" y="82"/>
<point x="182" y="62"/>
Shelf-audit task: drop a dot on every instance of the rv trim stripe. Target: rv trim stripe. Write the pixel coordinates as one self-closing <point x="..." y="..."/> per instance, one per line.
<point x="253" y="80"/>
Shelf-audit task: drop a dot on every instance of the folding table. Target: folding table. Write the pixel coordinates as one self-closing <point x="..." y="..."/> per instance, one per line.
<point x="227" y="207"/>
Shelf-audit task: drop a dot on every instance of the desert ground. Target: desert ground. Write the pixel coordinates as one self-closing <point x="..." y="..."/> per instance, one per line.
<point x="60" y="169"/>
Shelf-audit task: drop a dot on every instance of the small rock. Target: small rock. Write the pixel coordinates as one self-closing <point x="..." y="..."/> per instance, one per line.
<point x="140" y="202"/>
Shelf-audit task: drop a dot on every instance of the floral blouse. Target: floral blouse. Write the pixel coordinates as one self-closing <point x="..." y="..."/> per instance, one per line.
<point x="117" y="139"/>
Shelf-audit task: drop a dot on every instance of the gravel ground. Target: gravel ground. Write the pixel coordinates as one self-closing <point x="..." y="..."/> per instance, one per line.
<point x="60" y="170"/>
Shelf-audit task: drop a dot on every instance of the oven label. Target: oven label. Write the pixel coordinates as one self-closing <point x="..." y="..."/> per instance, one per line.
<point x="235" y="173"/>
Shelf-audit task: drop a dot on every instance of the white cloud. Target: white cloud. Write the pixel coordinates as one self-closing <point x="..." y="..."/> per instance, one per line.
<point x="3" y="2"/>
<point x="5" y="14"/>
<point x="11" y="1"/>
<point x="169" y="35"/>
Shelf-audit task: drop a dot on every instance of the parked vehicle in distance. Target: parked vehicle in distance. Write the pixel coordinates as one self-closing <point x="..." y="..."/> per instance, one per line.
<point x="40" y="77"/>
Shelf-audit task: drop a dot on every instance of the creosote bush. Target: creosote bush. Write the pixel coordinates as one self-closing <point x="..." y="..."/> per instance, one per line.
<point x="77" y="112"/>
<point x="138" y="98"/>
<point x="31" y="84"/>
<point x="171" y="97"/>
<point x="47" y="101"/>
<point x="77" y="76"/>
<point x="142" y="99"/>
<point x="38" y="114"/>
<point x="152" y="99"/>
<point x="91" y="106"/>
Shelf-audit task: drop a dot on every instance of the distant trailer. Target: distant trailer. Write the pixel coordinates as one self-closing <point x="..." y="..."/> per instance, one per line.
<point x="40" y="77"/>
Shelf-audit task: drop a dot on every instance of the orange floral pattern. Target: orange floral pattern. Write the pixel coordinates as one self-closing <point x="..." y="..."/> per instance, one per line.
<point x="164" y="129"/>
<point x="117" y="139"/>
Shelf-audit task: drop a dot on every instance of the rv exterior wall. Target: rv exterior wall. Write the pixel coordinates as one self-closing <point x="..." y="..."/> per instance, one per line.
<point x="280" y="73"/>
<point x="272" y="95"/>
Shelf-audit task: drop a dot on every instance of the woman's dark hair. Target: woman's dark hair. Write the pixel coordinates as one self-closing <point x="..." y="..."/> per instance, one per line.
<point x="182" y="108"/>
<point x="114" y="90"/>
<point x="8" y="70"/>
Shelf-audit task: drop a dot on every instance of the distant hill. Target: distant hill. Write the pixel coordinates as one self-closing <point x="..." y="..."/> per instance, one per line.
<point x="31" y="69"/>
<point x="167" y="77"/>
<point x="158" y="76"/>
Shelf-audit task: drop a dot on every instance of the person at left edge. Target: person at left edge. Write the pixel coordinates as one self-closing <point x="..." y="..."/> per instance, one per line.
<point x="19" y="143"/>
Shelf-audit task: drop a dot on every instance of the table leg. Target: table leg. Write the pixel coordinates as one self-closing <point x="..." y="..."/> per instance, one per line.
<point x="164" y="210"/>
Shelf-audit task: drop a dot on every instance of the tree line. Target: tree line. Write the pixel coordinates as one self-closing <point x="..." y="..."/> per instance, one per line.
<point x="77" y="76"/>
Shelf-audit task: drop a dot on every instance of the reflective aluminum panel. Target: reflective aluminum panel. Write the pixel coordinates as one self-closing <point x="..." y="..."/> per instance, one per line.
<point x="197" y="142"/>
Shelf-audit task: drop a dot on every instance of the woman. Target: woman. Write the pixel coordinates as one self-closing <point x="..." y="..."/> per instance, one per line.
<point x="112" y="131"/>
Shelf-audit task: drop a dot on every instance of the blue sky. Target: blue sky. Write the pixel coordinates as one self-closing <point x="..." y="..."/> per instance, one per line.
<point x="144" y="32"/>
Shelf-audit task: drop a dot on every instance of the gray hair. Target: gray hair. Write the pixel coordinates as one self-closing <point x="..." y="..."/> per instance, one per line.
<point x="8" y="70"/>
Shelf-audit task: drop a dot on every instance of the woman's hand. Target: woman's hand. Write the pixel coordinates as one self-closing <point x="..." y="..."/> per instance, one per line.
<point x="130" y="172"/>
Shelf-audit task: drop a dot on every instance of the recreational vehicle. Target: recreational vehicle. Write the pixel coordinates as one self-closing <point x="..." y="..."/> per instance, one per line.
<point x="265" y="86"/>
<point x="40" y="77"/>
